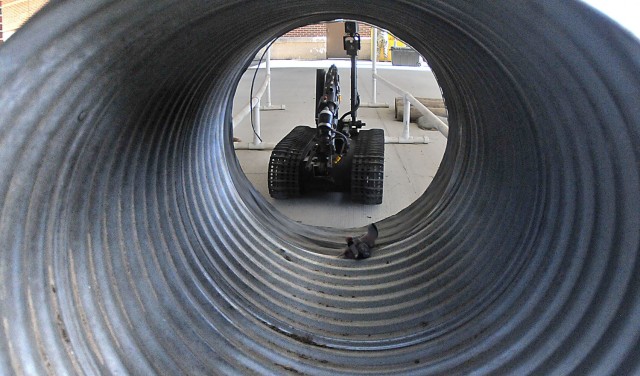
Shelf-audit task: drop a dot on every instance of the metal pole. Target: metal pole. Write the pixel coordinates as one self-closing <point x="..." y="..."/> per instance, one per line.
<point x="269" y="75"/>
<point x="407" y="118"/>
<point x="269" y="106"/>
<point x="255" y="116"/>
<point x="374" y="70"/>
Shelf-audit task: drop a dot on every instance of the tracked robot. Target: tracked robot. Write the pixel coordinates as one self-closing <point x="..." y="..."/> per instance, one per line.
<point x="336" y="155"/>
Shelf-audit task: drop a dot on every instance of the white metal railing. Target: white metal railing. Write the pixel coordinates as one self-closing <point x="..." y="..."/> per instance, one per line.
<point x="408" y="99"/>
<point x="254" y="109"/>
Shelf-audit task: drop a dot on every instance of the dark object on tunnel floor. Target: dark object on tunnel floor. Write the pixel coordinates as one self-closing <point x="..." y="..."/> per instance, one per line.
<point x="336" y="156"/>
<point x="360" y="248"/>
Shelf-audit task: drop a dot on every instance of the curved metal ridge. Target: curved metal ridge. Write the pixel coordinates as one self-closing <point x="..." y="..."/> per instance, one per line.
<point x="132" y="243"/>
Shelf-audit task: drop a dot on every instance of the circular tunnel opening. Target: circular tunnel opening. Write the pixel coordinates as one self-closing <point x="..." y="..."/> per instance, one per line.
<point x="133" y="242"/>
<point x="413" y="152"/>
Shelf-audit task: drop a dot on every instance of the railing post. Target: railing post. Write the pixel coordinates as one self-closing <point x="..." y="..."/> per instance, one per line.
<point x="269" y="106"/>
<point x="269" y="75"/>
<point x="255" y="118"/>
<point x="407" y="118"/>
<point x="374" y="70"/>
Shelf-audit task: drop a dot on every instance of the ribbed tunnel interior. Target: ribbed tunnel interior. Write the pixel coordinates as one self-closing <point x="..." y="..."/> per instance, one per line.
<point x="132" y="243"/>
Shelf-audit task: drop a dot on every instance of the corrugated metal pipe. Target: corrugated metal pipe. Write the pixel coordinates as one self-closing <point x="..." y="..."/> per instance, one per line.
<point x="132" y="243"/>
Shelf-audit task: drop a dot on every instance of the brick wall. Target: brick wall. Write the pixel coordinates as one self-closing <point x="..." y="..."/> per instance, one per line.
<point x="364" y="29"/>
<point x="16" y="12"/>
<point x="316" y="30"/>
<point x="320" y="30"/>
